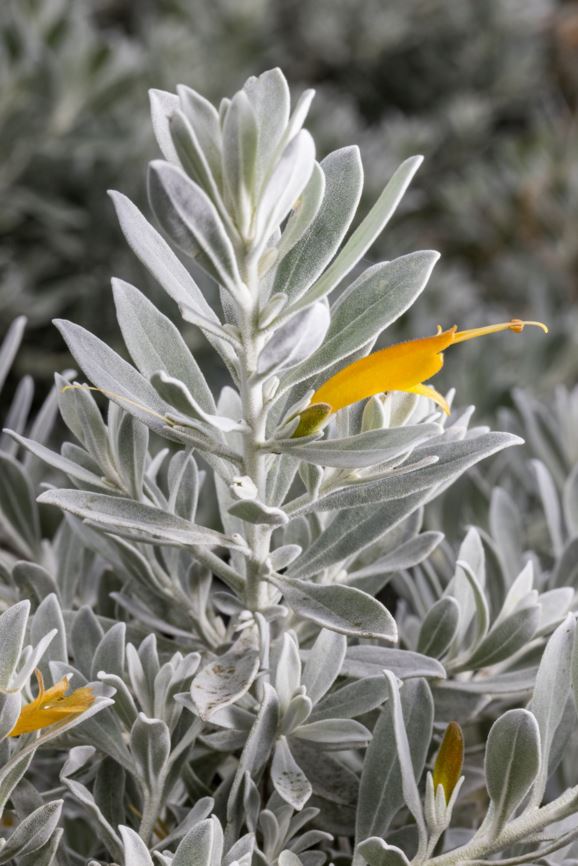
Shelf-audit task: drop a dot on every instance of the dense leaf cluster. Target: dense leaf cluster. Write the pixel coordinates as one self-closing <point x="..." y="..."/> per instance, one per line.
<point x="277" y="635"/>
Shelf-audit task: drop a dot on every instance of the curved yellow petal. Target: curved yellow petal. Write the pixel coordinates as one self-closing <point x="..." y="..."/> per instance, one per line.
<point x="430" y="392"/>
<point x="396" y="368"/>
<point x="52" y="705"/>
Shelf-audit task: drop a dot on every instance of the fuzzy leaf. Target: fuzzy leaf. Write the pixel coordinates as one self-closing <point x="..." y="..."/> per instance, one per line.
<point x="253" y="511"/>
<point x="190" y="219"/>
<point x="34" y="832"/>
<point x="364" y="449"/>
<point x="323" y="664"/>
<point x="156" y="344"/>
<point x="296" y="340"/>
<point x="512" y="763"/>
<point x="506" y="638"/>
<point x="304" y="211"/>
<point x="131" y="519"/>
<point x="12" y="631"/>
<point x="363" y="660"/>
<point x="288" y="180"/>
<point x="373" y="302"/>
<point x="553" y="682"/>
<point x="339" y="608"/>
<point x="368" y="230"/>
<point x="381" y="794"/>
<point x="135" y="851"/>
<point x="225" y="679"/>
<point x="439" y="627"/>
<point x="308" y="258"/>
<point x="201" y="846"/>
<point x="157" y="256"/>
<point x="453" y="459"/>
<point x="288" y="778"/>
<point x="376" y="852"/>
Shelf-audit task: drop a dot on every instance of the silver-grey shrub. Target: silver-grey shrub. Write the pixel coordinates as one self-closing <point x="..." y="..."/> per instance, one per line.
<point x="255" y="702"/>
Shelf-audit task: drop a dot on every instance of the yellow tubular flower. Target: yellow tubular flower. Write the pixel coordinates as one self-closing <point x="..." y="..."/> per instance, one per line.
<point x="51" y="706"/>
<point x="403" y="367"/>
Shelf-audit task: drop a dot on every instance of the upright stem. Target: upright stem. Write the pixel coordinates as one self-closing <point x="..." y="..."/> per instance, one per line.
<point x="251" y="390"/>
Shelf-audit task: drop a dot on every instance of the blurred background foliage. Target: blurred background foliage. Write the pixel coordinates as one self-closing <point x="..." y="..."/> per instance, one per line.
<point x="487" y="91"/>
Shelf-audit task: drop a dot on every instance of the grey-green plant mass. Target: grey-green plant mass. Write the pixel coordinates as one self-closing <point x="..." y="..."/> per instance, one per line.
<point x="250" y="632"/>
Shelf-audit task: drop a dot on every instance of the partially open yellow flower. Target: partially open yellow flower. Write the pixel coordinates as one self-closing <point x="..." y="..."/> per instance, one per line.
<point x="51" y="706"/>
<point x="403" y="367"/>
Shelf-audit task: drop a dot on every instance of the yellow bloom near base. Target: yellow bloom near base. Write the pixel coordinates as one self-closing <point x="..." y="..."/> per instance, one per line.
<point x="51" y="706"/>
<point x="403" y="367"/>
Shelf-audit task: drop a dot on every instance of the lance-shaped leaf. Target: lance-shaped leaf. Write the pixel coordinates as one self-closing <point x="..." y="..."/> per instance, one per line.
<point x="225" y="679"/>
<point x="58" y="461"/>
<point x="364" y="449"/>
<point x="453" y="459"/>
<point x="177" y="395"/>
<point x="190" y="219"/>
<point x="240" y="137"/>
<point x="258" y="746"/>
<point x="439" y="627"/>
<point x="551" y="505"/>
<point x="506" y="638"/>
<point x="340" y="608"/>
<point x="323" y="664"/>
<point x="288" y="778"/>
<point x="19" y="520"/>
<point x="334" y="735"/>
<point x="551" y="694"/>
<point x="363" y="660"/>
<point x="295" y="340"/>
<point x="134" y="520"/>
<point x="118" y="380"/>
<point x="12" y="631"/>
<point x="570" y="499"/>
<point x="155" y="343"/>
<point x="351" y="531"/>
<point x="381" y="792"/>
<point x="309" y="257"/>
<point x="409" y="554"/>
<point x="190" y="154"/>
<point x="409" y="778"/>
<point x="10" y="346"/>
<point x="365" y="234"/>
<point x="34" y="832"/>
<point x="512" y="763"/>
<point x="150" y="745"/>
<point x="288" y="180"/>
<point x="304" y="211"/>
<point x="162" y="105"/>
<point x="204" y="119"/>
<point x="135" y="851"/>
<point x="201" y="846"/>
<point x="270" y="100"/>
<point x="373" y="302"/>
<point x="157" y="256"/>
<point x="354" y="699"/>
<point x="78" y="757"/>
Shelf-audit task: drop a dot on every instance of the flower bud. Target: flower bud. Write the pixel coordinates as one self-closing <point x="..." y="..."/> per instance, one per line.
<point x="450" y="760"/>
